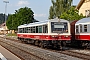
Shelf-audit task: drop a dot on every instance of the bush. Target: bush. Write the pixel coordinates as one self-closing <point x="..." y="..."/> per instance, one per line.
<point x="10" y="34"/>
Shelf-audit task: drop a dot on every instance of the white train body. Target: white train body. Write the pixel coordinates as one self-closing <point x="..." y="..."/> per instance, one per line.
<point x="82" y="29"/>
<point x="47" y="30"/>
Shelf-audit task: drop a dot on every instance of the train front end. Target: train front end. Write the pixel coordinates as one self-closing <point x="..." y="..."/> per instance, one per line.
<point x="60" y="32"/>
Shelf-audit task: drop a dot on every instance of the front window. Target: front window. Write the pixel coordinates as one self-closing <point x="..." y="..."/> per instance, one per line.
<point x="59" y="27"/>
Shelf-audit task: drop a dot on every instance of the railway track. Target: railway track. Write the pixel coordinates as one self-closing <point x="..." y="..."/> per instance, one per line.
<point x="76" y="54"/>
<point x="67" y="52"/>
<point x="40" y="54"/>
<point x="19" y="51"/>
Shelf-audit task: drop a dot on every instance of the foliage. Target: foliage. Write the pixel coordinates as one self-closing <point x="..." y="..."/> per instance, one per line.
<point x="71" y="14"/>
<point x="52" y="14"/>
<point x="10" y="34"/>
<point x="58" y="7"/>
<point x="21" y="16"/>
<point x="2" y="18"/>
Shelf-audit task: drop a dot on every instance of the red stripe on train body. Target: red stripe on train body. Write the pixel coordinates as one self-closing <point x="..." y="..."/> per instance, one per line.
<point x="82" y="37"/>
<point x="45" y="37"/>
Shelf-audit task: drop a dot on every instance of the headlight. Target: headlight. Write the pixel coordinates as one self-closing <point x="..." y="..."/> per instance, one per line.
<point x="66" y="36"/>
<point x="54" y="36"/>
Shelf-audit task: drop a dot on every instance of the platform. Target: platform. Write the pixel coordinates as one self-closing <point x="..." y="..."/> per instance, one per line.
<point x="2" y="57"/>
<point x="8" y="55"/>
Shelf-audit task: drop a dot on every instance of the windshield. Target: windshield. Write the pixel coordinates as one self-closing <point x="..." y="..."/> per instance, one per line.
<point x="59" y="27"/>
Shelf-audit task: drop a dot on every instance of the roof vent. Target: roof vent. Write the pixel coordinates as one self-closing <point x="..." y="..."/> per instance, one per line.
<point x="57" y="19"/>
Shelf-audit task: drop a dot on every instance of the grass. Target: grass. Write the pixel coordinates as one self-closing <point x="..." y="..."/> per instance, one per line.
<point x="10" y="34"/>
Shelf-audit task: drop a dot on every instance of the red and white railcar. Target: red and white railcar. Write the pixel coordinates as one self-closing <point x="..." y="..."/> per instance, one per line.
<point x="50" y="31"/>
<point x="82" y="31"/>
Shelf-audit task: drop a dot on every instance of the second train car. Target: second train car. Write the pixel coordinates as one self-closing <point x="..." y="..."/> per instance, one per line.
<point x="82" y="32"/>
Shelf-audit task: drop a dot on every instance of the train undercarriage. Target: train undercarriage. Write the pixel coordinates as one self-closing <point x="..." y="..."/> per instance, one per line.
<point x="55" y="44"/>
<point x="81" y="43"/>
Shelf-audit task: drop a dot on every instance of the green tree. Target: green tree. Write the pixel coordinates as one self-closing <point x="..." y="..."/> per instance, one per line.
<point x="2" y="18"/>
<point x="71" y="14"/>
<point x="58" y="7"/>
<point x="22" y="16"/>
<point x="52" y="14"/>
<point x="9" y="22"/>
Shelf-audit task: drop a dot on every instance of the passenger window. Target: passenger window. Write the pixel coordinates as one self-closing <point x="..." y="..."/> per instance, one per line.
<point x="40" y="29"/>
<point x="36" y="29"/>
<point x="80" y="28"/>
<point x="45" y="29"/>
<point x="77" y="31"/>
<point x="19" y="30"/>
<point x="29" y="29"/>
<point x="85" y="28"/>
<point x="33" y="29"/>
<point x="23" y="30"/>
<point x="26" y="29"/>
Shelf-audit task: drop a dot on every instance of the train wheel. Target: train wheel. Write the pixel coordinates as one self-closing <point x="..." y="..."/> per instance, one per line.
<point x="36" y="43"/>
<point x="22" y="39"/>
<point x="32" y="42"/>
<point x="59" y="47"/>
<point x="55" y="46"/>
<point x="41" y="44"/>
<point x="28" y="41"/>
<point x="18" y="38"/>
<point x="64" y="43"/>
<point x="88" y="46"/>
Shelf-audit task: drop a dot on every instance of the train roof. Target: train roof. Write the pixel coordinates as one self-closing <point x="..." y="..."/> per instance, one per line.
<point x="84" y="20"/>
<point x="42" y="23"/>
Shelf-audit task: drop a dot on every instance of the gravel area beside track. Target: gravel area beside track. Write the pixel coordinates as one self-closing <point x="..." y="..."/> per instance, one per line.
<point x="45" y="54"/>
<point x="82" y="51"/>
<point x="19" y="51"/>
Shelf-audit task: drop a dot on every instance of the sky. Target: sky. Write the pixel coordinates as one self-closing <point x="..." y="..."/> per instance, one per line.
<point x="39" y="7"/>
